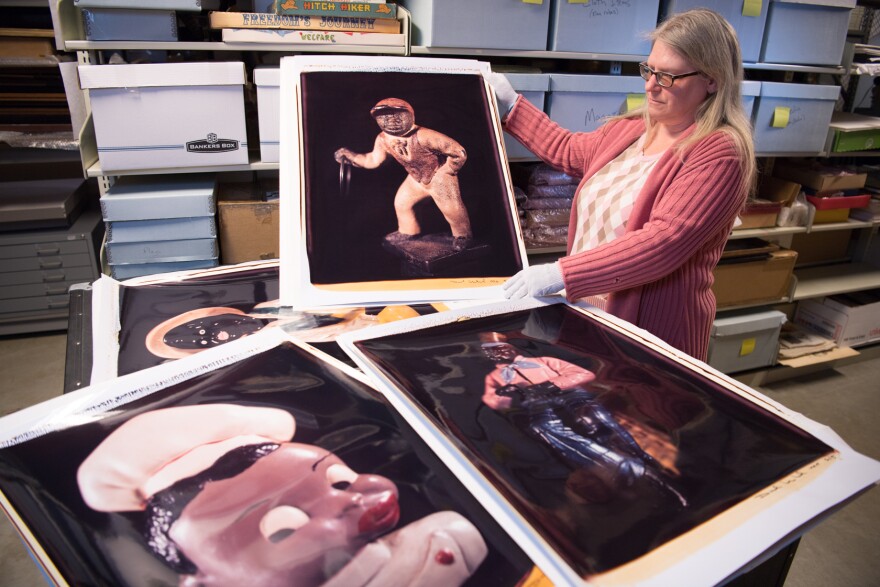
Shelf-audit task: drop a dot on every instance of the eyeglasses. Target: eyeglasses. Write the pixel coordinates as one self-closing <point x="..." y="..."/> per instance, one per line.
<point x="664" y="79"/>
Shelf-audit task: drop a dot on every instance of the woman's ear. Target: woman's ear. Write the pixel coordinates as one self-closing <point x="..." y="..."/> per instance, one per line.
<point x="712" y="86"/>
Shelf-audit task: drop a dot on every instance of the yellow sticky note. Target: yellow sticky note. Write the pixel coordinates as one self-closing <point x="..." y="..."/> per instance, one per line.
<point x="633" y="101"/>
<point x="747" y="347"/>
<point x="578" y="1"/>
<point x="752" y="7"/>
<point x="532" y="1"/>
<point x="780" y="117"/>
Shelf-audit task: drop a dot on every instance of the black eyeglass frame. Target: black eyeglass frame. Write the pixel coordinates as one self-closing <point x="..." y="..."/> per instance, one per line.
<point x="646" y="72"/>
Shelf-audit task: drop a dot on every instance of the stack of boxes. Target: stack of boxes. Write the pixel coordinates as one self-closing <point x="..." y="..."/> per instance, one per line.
<point x="157" y="224"/>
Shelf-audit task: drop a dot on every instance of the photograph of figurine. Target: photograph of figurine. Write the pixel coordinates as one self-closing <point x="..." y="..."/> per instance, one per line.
<point x="167" y="320"/>
<point x="613" y="450"/>
<point x="296" y="516"/>
<point x="257" y="462"/>
<point x="432" y="162"/>
<point x="400" y="191"/>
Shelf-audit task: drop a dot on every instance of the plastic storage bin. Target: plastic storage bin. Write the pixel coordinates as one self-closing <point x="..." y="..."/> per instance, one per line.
<point x="487" y="24"/>
<point x="580" y="103"/>
<point x="749" y="24"/>
<point x="793" y="118"/>
<point x="533" y="87"/>
<point x="167" y="115"/>
<point x="603" y="27"/>
<point x="750" y="90"/>
<point x="806" y="32"/>
<point x="744" y="341"/>
<point x="268" y="82"/>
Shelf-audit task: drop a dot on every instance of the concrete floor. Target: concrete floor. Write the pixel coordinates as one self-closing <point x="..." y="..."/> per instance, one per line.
<point x="841" y="551"/>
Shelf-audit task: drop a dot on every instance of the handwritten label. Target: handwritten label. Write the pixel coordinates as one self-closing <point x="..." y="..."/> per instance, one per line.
<point x="747" y="347"/>
<point x="752" y="7"/>
<point x="600" y="8"/>
<point x="781" y="115"/>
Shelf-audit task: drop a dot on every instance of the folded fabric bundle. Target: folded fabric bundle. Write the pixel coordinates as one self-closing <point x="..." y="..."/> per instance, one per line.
<point x="545" y="236"/>
<point x="551" y="217"/>
<point x="551" y="191"/>
<point x="543" y="174"/>
<point x="547" y="203"/>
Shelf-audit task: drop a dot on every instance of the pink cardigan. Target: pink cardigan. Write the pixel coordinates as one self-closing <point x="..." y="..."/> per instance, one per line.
<point x="659" y="272"/>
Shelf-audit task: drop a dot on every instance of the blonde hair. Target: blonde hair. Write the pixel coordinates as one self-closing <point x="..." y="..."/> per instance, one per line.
<point x="709" y="43"/>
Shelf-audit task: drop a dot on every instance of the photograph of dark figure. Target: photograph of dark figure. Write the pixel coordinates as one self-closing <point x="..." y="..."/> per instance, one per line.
<point x="609" y="448"/>
<point x="549" y="398"/>
<point x="403" y="179"/>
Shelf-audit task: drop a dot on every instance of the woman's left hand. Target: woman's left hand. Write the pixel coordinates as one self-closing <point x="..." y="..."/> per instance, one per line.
<point x="537" y="280"/>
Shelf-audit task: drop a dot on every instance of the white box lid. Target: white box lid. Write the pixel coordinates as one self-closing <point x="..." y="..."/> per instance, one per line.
<point x="750" y="88"/>
<point x="161" y="74"/>
<point x="744" y="323"/>
<point x="267" y="76"/>
<point x="807" y="91"/>
<point x="572" y="82"/>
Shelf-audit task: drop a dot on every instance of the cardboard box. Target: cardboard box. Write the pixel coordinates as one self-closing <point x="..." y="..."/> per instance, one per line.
<point x="848" y="319"/>
<point x="487" y="24"/>
<point x="744" y="341"/>
<point x="821" y="247"/>
<point x="534" y="88"/>
<point x="581" y="103"/>
<point x="586" y="27"/>
<point x="167" y="115"/>
<point x="749" y="27"/>
<point x="249" y="226"/>
<point x="747" y="280"/>
<point x="823" y="179"/>
<point x="776" y="189"/>
<point x="268" y="82"/>
<point x="793" y="118"/>
<point x="759" y="214"/>
<point x="114" y="24"/>
<point x="806" y="32"/>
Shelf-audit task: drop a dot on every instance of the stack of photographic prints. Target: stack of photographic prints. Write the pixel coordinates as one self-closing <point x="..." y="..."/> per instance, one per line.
<point x="364" y="412"/>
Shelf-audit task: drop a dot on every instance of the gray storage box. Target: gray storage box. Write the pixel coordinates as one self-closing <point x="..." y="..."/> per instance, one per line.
<point x="806" y="32"/>
<point x="749" y="27"/>
<point x="618" y="28"/>
<point x="140" y="269"/>
<point x="793" y="118"/>
<point x="114" y="24"/>
<point x="533" y="87"/>
<point x="580" y="103"/>
<point x="158" y="197"/>
<point x="161" y="251"/>
<point x="487" y="24"/>
<point x="744" y="341"/>
<point x="166" y="229"/>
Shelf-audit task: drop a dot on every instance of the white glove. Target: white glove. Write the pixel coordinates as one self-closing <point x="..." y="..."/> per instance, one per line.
<point x="537" y="280"/>
<point x="505" y="95"/>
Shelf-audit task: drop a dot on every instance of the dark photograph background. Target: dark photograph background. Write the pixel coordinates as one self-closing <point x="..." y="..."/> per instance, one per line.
<point x="345" y="231"/>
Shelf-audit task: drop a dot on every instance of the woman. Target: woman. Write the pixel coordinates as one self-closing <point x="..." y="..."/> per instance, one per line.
<point x="661" y="187"/>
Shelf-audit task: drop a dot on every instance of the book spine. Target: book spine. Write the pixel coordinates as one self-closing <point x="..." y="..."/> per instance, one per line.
<point x="358" y="9"/>
<point x="298" y="37"/>
<point x="262" y="20"/>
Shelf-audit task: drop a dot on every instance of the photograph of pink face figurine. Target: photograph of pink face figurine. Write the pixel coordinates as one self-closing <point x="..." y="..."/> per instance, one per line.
<point x="297" y="516"/>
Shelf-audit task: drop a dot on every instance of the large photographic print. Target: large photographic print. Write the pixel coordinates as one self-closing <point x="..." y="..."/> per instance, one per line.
<point x="629" y="460"/>
<point x="258" y="463"/>
<point x="394" y="185"/>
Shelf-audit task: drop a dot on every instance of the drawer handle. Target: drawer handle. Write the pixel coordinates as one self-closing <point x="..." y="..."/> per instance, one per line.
<point x="50" y="264"/>
<point x="56" y="291"/>
<point x="59" y="304"/>
<point x="53" y="277"/>
<point x="48" y="250"/>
